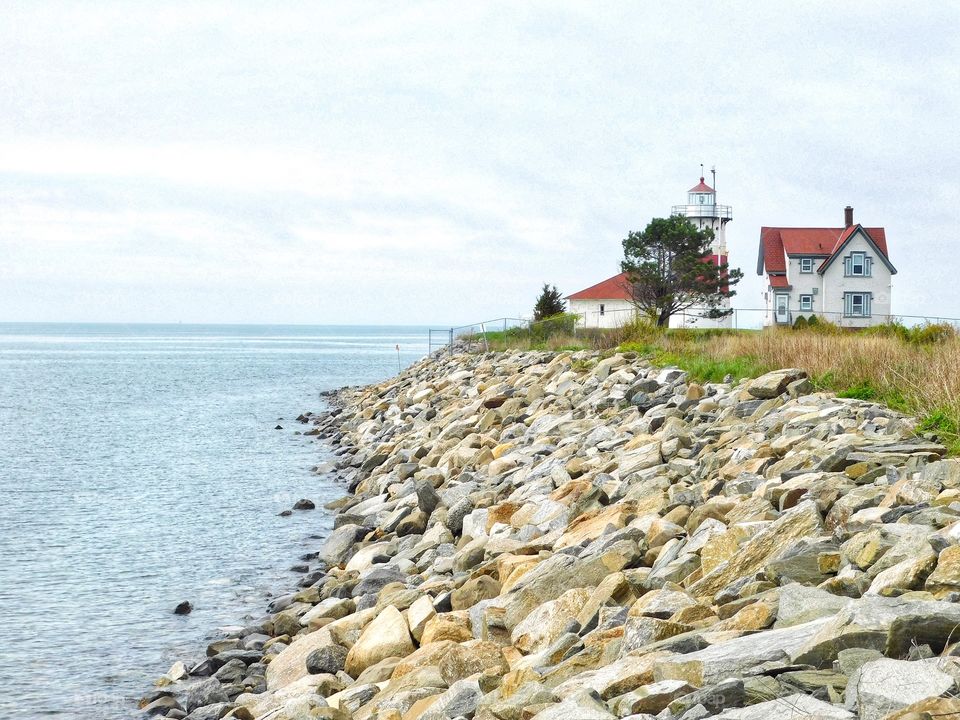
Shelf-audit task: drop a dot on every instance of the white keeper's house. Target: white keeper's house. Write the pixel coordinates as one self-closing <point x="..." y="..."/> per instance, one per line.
<point x="607" y="304"/>
<point x="840" y="274"/>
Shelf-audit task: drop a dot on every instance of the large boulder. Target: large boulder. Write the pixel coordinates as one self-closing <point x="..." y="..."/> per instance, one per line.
<point x="778" y="537"/>
<point x="549" y="621"/>
<point x="291" y="664"/>
<point x="387" y="635"/>
<point x="774" y="383"/>
<point x="327" y="659"/>
<point x="732" y="658"/>
<point x="798" y="707"/>
<point x="339" y="546"/>
<point x="882" y="686"/>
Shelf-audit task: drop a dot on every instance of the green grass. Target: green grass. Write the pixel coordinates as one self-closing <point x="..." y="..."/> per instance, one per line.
<point x="701" y="368"/>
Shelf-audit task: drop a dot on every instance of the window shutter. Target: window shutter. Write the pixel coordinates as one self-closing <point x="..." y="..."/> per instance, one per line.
<point x="848" y="266"/>
<point x="846" y="303"/>
<point x="868" y="266"/>
<point x="867" y="302"/>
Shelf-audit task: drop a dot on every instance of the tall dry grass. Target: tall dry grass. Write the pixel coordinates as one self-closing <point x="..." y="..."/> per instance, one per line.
<point x="921" y="379"/>
<point x="926" y="376"/>
<point x="916" y="371"/>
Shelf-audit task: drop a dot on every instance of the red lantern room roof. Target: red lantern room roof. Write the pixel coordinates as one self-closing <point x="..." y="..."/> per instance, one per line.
<point x="702" y="188"/>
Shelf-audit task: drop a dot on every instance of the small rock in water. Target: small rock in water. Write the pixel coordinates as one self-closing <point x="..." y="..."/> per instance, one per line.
<point x="279" y="427"/>
<point x="184" y="608"/>
<point x="285" y="513"/>
<point x="304" y="504"/>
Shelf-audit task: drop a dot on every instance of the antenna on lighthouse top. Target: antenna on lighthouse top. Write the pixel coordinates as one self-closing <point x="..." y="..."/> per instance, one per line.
<point x="701" y="172"/>
<point x="713" y="171"/>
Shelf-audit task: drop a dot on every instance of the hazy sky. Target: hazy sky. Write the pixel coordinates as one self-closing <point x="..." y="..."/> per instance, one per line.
<point x="437" y="162"/>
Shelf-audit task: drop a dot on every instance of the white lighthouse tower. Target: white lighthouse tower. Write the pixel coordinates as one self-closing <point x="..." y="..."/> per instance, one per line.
<point x="704" y="212"/>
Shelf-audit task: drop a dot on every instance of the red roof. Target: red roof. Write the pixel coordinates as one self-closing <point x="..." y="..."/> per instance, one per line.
<point x="618" y="287"/>
<point x="778" y="243"/>
<point x="779" y="281"/>
<point x="615" y="288"/>
<point x="702" y="187"/>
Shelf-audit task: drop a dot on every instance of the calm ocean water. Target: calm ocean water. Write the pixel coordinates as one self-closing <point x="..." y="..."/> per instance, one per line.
<point x="139" y="466"/>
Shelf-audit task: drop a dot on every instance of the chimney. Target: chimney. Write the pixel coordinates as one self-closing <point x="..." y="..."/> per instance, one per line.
<point x="847" y="216"/>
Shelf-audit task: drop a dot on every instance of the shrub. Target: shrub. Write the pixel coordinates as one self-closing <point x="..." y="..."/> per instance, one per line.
<point x="930" y="333"/>
<point x="891" y="328"/>
<point x="561" y="323"/>
<point x="801" y="323"/>
<point x="639" y="329"/>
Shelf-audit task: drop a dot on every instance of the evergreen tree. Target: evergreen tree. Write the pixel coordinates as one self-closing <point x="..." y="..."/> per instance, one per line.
<point x="669" y="269"/>
<point x="549" y="303"/>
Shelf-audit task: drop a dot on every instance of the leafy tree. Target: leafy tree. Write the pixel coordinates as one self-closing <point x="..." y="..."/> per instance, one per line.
<point x="669" y="270"/>
<point x="549" y="303"/>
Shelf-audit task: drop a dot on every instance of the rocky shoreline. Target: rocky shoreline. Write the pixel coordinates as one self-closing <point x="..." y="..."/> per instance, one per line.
<point x="582" y="537"/>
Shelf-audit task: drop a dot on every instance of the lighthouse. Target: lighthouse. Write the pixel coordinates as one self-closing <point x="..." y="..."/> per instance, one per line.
<point x="610" y="303"/>
<point x="703" y="211"/>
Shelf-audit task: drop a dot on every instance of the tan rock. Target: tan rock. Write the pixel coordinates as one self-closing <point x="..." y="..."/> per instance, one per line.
<point x="801" y="521"/>
<point x="756" y="616"/>
<point x="591" y="525"/>
<point x="512" y="568"/>
<point x="946" y="578"/>
<point x="546" y="623"/>
<point x="695" y="615"/>
<point x="470" y="658"/>
<point x="473" y="591"/>
<point x="641" y="631"/>
<point x="908" y="574"/>
<point x="718" y="549"/>
<point x="613" y="588"/>
<point x="420" y="707"/>
<point x="387" y="635"/>
<point x="291" y="664"/>
<point x="424" y="656"/>
<point x="941" y="708"/>
<point x="501" y="513"/>
<point x="419" y="614"/>
<point x="447" y="626"/>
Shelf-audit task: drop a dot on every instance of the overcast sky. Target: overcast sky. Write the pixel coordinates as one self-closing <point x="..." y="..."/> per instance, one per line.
<point x="437" y="162"/>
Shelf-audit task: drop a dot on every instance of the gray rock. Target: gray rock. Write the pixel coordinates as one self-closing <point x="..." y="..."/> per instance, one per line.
<point x="774" y="383"/>
<point x="375" y="580"/>
<point x="203" y="692"/>
<point x="339" y="546"/>
<point x="460" y="699"/>
<point x="799" y="604"/>
<point x="427" y="497"/>
<point x="792" y="706"/>
<point x="881" y="686"/>
<point x="328" y="659"/>
<point x="585" y="705"/>
<point x="457" y="513"/>
<point x="850" y="660"/>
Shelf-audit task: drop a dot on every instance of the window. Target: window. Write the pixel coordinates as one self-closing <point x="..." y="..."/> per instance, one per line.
<point x="601" y="309"/>
<point x="806" y="265"/>
<point x="857" y="304"/>
<point x="857" y="264"/>
<point x="806" y="302"/>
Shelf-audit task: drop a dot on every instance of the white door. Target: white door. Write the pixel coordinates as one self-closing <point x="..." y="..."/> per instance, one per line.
<point x="783" y="308"/>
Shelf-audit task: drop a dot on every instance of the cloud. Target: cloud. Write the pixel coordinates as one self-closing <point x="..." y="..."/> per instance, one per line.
<point x="424" y="162"/>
